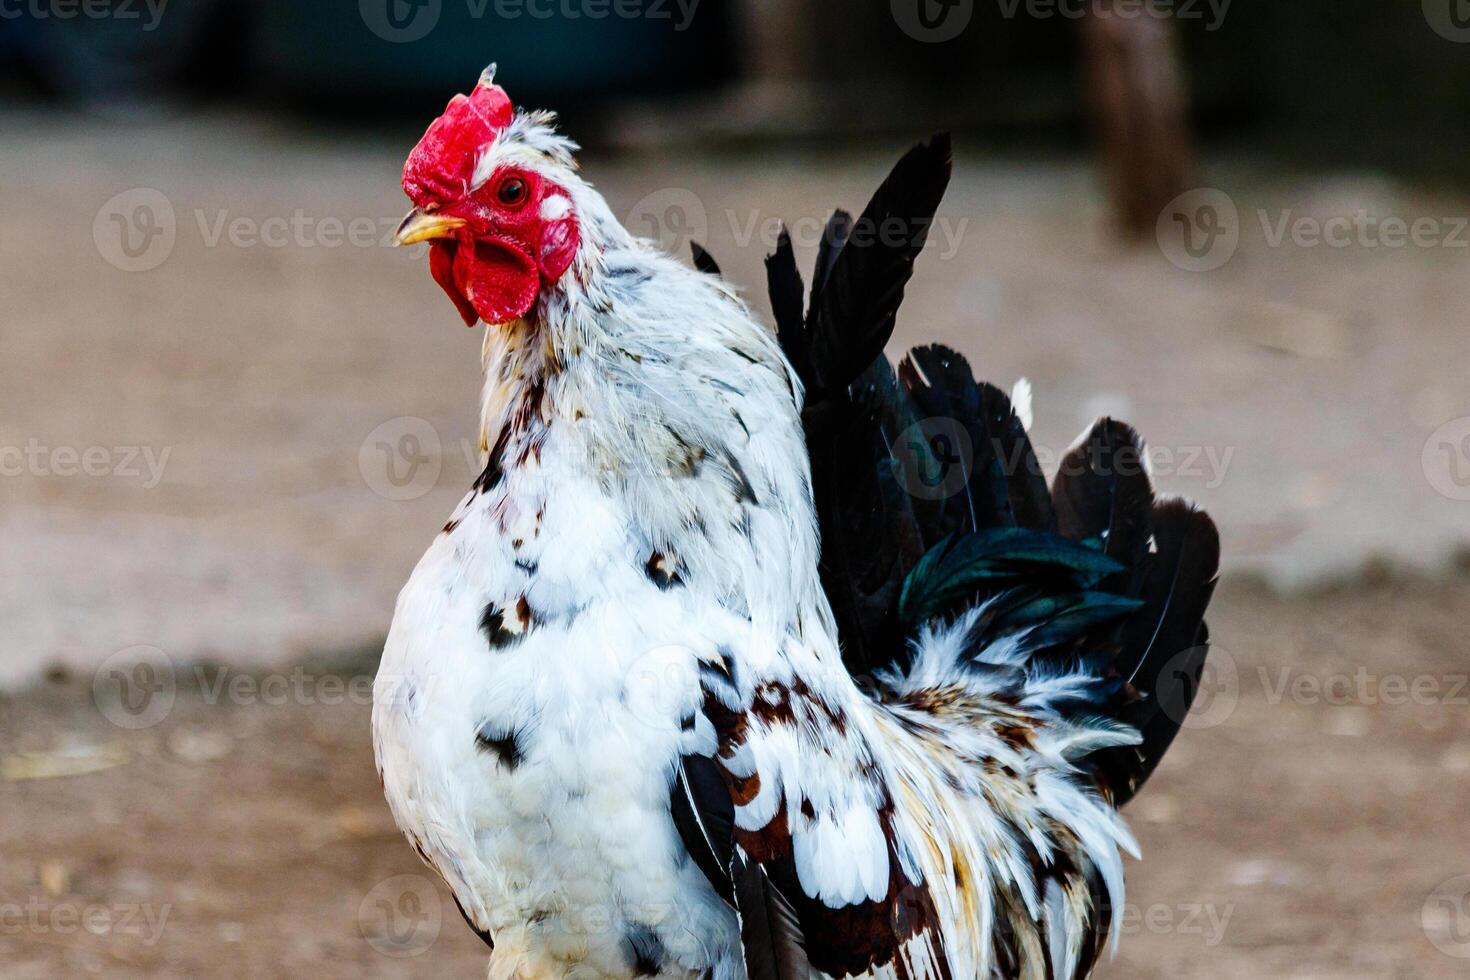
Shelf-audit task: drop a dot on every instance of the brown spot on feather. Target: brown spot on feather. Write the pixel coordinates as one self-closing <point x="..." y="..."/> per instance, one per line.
<point x="662" y="571"/>
<point x="503" y="630"/>
<point x="743" y="789"/>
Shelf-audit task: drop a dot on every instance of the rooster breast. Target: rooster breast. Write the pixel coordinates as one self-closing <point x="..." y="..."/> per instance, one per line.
<point x="541" y="680"/>
<point x="531" y="705"/>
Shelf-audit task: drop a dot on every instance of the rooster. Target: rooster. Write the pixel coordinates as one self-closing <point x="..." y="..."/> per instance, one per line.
<point x="700" y="681"/>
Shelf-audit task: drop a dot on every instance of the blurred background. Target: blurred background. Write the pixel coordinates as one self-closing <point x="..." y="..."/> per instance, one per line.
<point x="231" y="418"/>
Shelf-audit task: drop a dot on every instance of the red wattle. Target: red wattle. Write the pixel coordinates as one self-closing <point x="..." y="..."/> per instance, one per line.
<point x="499" y="279"/>
<point x="441" y="267"/>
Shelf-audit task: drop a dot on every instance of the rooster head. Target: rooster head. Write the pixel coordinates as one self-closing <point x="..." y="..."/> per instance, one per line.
<point x="490" y="193"/>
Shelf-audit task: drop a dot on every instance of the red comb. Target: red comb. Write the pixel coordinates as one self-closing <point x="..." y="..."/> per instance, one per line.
<point x="444" y="160"/>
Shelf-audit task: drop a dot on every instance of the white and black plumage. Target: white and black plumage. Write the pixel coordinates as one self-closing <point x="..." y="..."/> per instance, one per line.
<point x="618" y="709"/>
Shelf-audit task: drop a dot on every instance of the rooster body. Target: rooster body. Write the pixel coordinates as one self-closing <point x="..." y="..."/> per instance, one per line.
<point x="616" y="709"/>
<point x="545" y="655"/>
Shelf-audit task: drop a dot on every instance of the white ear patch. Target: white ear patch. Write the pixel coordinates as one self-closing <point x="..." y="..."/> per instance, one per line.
<point x="554" y="207"/>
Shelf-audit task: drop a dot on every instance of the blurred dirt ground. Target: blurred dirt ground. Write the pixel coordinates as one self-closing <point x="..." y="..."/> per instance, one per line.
<point x="279" y="429"/>
<point x="1310" y="825"/>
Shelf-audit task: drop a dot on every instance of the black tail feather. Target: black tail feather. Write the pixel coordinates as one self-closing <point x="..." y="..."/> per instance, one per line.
<point x="855" y="411"/>
<point x="770" y="931"/>
<point x="959" y="414"/>
<point x="1164" y="645"/>
<point x="704" y="816"/>
<point x="1095" y="570"/>
<point x="788" y="295"/>
<point x="1026" y="490"/>
<point x="834" y="237"/>
<point x="870" y="534"/>
<point x="862" y="283"/>
<point x="1102" y="494"/>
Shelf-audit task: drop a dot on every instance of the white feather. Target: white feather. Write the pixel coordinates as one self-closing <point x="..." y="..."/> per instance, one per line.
<point x="1021" y="402"/>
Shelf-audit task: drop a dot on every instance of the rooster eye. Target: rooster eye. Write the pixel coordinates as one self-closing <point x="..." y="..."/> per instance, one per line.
<point x="512" y="191"/>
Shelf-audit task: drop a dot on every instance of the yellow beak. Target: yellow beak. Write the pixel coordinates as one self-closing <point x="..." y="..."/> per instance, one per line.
<point x="420" y="226"/>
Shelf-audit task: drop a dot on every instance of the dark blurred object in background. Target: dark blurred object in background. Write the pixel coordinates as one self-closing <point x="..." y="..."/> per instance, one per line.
<point x="1328" y="81"/>
<point x="392" y="54"/>
<point x="140" y="51"/>
<point x="1141" y="113"/>
<point x="368" y="57"/>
